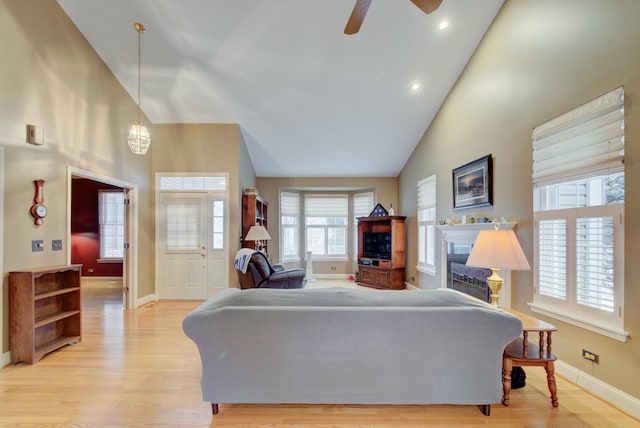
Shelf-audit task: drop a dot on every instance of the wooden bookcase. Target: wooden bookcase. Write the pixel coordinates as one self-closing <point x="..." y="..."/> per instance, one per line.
<point x="255" y="210"/>
<point x="382" y="273"/>
<point x="45" y="311"/>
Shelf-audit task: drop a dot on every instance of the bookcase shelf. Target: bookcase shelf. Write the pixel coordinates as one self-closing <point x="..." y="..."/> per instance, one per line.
<point x="45" y="311"/>
<point x="255" y="210"/>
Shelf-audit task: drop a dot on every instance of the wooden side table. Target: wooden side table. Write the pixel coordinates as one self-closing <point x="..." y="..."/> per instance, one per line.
<point x="521" y="352"/>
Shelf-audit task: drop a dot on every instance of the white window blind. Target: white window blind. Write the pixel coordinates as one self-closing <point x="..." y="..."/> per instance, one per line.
<point x="111" y="220"/>
<point x="363" y="204"/>
<point x="581" y="142"/>
<point x="183" y="226"/>
<point x="578" y="177"/>
<point x="552" y="258"/>
<point x="426" y="205"/>
<point x="289" y="226"/>
<point x="326" y="218"/>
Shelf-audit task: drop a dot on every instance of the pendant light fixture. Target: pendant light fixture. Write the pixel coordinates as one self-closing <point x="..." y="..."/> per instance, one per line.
<point x="139" y="139"/>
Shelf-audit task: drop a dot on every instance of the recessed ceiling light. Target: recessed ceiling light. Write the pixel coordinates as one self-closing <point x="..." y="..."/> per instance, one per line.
<point x="443" y="24"/>
<point x="415" y="86"/>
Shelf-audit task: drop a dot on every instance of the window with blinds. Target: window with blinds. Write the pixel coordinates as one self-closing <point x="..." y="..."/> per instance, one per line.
<point x="111" y="221"/>
<point x="579" y="187"/>
<point x="363" y="204"/>
<point x="183" y="227"/>
<point x="217" y="226"/>
<point x="289" y="226"/>
<point x="326" y="220"/>
<point x="426" y="204"/>
<point x="185" y="183"/>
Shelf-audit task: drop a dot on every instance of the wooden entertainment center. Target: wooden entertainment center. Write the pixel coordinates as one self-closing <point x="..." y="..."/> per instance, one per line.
<point x="384" y="270"/>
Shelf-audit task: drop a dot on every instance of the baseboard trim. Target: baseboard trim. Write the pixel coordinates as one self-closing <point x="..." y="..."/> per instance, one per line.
<point x="411" y="286"/>
<point x="146" y="299"/>
<point x="614" y="396"/>
<point x="331" y="276"/>
<point x="6" y="358"/>
<point x="101" y="278"/>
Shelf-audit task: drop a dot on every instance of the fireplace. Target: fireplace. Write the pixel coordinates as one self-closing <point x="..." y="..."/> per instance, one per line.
<point x="455" y="245"/>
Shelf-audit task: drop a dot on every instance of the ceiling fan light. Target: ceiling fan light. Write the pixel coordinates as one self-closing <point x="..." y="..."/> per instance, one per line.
<point x="443" y="24"/>
<point x="139" y="139"/>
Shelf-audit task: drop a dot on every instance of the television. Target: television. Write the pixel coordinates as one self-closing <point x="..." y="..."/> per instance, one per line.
<point x="376" y="245"/>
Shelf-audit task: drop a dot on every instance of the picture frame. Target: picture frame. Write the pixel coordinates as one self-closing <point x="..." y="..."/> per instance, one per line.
<point x="473" y="184"/>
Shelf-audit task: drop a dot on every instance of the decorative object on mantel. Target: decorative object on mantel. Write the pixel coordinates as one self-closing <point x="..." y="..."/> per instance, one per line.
<point x="378" y="211"/>
<point x="139" y="139"/>
<point x="470" y="220"/>
<point x="250" y="191"/>
<point x="258" y="234"/>
<point x="473" y="184"/>
<point x="497" y="249"/>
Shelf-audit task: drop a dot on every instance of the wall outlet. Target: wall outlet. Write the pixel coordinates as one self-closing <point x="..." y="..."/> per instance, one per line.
<point x="588" y="355"/>
<point x="37" y="245"/>
<point x="56" y="244"/>
<point x="334" y="268"/>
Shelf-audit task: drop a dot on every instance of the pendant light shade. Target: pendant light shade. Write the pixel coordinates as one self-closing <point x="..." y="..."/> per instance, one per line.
<point x="139" y="139"/>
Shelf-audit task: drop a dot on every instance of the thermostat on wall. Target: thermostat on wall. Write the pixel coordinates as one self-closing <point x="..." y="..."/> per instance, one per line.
<point x="35" y="135"/>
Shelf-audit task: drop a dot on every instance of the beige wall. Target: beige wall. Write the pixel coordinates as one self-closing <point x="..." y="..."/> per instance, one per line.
<point x="386" y="190"/>
<point x="52" y="78"/>
<point x="205" y="148"/>
<point x="539" y="59"/>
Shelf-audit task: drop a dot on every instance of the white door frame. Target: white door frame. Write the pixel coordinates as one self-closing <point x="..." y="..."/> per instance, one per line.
<point x="130" y="260"/>
<point x="209" y="194"/>
<point x="4" y="359"/>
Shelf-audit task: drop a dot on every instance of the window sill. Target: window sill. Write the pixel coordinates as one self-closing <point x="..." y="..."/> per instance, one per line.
<point x="428" y="270"/>
<point x="613" y="333"/>
<point x="109" y="260"/>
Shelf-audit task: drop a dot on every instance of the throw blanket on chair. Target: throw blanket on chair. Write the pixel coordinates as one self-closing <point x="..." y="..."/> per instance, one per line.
<point x="243" y="256"/>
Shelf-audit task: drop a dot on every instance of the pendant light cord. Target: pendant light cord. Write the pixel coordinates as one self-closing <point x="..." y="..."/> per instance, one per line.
<point x="140" y="29"/>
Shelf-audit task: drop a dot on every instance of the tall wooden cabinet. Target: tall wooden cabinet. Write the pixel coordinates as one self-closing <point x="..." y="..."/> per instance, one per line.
<point x="387" y="269"/>
<point x="45" y="311"/>
<point x="255" y="210"/>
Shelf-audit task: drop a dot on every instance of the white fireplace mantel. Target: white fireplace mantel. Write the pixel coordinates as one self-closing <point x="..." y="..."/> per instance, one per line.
<point x="467" y="234"/>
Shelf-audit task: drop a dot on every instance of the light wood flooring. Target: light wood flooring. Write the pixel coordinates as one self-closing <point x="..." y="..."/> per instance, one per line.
<point x="137" y="369"/>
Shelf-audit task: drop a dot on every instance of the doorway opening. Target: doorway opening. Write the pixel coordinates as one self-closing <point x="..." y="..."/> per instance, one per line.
<point x="101" y="237"/>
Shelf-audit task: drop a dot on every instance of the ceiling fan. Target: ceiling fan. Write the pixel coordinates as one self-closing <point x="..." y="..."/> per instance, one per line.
<point x="361" y="7"/>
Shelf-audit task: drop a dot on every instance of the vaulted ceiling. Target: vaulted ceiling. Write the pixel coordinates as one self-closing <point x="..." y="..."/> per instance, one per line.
<point x="310" y="100"/>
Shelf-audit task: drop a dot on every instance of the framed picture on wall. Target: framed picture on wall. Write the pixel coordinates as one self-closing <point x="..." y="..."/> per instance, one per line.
<point x="473" y="184"/>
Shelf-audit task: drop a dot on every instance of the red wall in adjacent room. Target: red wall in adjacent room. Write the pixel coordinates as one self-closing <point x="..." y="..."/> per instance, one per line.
<point x="85" y="236"/>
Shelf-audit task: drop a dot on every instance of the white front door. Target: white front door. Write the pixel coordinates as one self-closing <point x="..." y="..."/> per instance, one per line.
<point x="182" y="246"/>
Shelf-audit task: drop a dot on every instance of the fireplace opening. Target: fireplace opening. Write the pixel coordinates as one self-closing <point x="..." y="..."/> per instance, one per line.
<point x="467" y="279"/>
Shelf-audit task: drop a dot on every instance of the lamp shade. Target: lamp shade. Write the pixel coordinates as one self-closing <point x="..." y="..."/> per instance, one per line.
<point x="257" y="233"/>
<point x="498" y="249"/>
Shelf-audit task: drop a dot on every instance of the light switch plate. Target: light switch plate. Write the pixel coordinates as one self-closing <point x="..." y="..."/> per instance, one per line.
<point x="37" y="245"/>
<point x="56" y="244"/>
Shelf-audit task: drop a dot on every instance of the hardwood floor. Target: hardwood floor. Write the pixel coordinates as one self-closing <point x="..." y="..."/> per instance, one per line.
<point x="136" y="369"/>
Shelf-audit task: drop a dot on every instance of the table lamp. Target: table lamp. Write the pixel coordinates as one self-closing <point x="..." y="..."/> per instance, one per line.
<point x="497" y="249"/>
<point x="258" y="234"/>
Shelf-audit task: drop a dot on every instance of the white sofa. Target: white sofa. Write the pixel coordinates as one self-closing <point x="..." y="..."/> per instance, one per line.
<point x="338" y="345"/>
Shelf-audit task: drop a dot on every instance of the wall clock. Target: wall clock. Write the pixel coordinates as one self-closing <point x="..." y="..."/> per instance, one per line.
<point x="38" y="209"/>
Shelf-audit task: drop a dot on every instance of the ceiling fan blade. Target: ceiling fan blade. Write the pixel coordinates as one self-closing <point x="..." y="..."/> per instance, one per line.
<point x="357" y="16"/>
<point x="427" y="6"/>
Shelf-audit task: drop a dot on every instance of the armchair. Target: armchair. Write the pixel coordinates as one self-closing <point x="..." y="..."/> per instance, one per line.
<point x="261" y="274"/>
